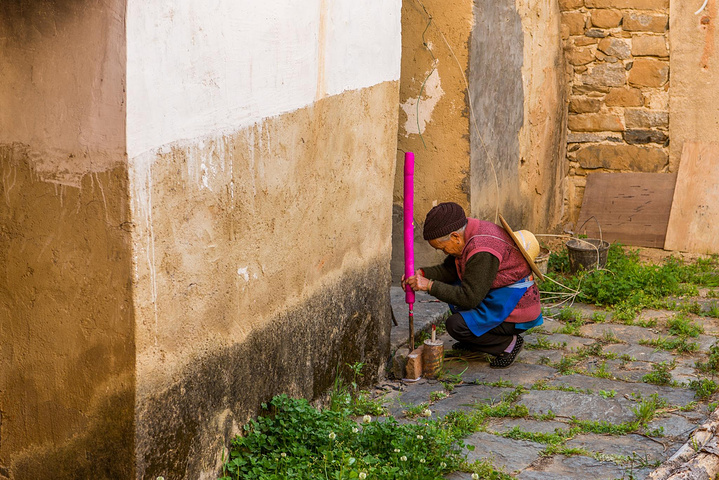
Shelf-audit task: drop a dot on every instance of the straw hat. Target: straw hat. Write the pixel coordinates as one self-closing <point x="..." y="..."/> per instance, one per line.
<point x="526" y="243"/>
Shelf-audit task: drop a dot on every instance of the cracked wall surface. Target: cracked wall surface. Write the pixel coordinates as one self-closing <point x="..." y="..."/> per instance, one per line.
<point x="517" y="92"/>
<point x="66" y="320"/>
<point x="271" y="263"/>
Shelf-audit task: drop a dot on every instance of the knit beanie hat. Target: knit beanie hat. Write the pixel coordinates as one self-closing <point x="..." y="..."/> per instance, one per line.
<point x="443" y="219"/>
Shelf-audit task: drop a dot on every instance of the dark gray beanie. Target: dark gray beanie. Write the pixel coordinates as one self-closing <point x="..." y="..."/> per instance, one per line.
<point x="443" y="219"/>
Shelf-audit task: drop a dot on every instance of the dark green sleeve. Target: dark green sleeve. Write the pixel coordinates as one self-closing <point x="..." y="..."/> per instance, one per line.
<point x="479" y="273"/>
<point x="444" y="272"/>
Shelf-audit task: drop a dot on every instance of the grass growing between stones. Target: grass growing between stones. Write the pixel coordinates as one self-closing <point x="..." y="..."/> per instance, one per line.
<point x="543" y="343"/>
<point x="704" y="388"/>
<point x="672" y="344"/>
<point x="660" y="374"/>
<point x="628" y="285"/>
<point x="712" y="364"/>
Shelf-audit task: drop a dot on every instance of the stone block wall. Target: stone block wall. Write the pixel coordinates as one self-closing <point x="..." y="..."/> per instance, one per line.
<point x="618" y="70"/>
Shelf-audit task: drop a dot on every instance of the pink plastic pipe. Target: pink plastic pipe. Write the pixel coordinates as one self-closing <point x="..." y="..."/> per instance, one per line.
<point x="409" y="224"/>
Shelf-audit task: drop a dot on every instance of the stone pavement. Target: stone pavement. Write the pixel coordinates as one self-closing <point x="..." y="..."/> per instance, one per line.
<point x="581" y="379"/>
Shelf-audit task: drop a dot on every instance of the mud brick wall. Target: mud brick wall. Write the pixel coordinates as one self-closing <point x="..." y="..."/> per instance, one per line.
<point x="618" y="68"/>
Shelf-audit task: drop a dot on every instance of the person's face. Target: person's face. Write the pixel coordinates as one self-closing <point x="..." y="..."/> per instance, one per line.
<point x="452" y="246"/>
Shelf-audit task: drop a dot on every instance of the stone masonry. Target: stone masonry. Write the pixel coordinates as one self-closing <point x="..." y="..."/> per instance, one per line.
<point x="617" y="55"/>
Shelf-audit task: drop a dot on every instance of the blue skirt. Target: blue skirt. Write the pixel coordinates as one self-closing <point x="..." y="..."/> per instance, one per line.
<point x="496" y="307"/>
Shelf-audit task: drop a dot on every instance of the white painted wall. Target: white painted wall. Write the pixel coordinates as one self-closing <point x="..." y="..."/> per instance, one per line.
<point x="196" y="67"/>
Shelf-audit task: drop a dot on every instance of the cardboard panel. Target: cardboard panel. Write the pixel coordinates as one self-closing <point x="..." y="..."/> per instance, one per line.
<point x="694" y="219"/>
<point x="631" y="208"/>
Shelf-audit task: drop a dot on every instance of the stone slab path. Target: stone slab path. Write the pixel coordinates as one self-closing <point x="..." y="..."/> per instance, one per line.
<point x="622" y="407"/>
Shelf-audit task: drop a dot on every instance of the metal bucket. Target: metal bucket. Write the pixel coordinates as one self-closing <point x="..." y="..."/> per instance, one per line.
<point x="587" y="253"/>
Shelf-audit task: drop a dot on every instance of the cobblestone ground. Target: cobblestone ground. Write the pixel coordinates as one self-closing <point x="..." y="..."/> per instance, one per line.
<point x="582" y="378"/>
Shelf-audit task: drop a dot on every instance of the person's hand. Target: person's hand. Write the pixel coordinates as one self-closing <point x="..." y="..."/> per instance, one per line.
<point x="405" y="280"/>
<point x="419" y="282"/>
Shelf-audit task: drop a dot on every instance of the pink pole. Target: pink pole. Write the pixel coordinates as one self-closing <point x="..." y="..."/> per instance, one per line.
<point x="409" y="237"/>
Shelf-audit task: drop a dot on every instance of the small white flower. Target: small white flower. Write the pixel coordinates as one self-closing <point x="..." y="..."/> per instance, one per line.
<point x="396" y="450"/>
<point x="283" y="454"/>
<point x="421" y="460"/>
<point x="427" y="413"/>
<point x="362" y="475"/>
<point x="475" y="476"/>
<point x="442" y="465"/>
<point x="403" y="458"/>
<point x="420" y="437"/>
<point x="355" y="429"/>
<point x="333" y="435"/>
<point x="366" y="419"/>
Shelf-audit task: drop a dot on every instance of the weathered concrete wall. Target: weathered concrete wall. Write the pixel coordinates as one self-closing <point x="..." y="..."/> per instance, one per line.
<point x="439" y="114"/>
<point x="517" y="93"/>
<point x="66" y="319"/>
<point x="694" y="70"/>
<point x="262" y="214"/>
<point x="497" y="94"/>
<point x="619" y="76"/>
<point x="542" y="138"/>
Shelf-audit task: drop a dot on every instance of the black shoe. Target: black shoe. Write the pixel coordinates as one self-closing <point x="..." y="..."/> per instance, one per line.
<point x="505" y="359"/>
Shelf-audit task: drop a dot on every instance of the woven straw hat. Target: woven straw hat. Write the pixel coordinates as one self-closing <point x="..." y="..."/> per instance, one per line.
<point x="527" y="244"/>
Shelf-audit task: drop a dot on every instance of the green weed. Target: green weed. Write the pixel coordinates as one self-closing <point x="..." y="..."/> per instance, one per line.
<point x="678" y="344"/>
<point x="602" y="371"/>
<point x="294" y="440"/>
<point x="543" y="343"/>
<point x="414" y="411"/>
<point x="499" y="383"/>
<point x="569" y="314"/>
<point x="682" y="325"/>
<point x="606" y="428"/>
<point x="661" y="374"/>
<point x="550" y="415"/>
<point x="558" y="437"/>
<point x="627" y="285"/>
<point x="542" y="385"/>
<point x="646" y="410"/>
<point x="648" y="323"/>
<point x="486" y="471"/>
<point x="703" y="388"/>
<point x="437" y="395"/>
<point x="566" y="365"/>
<point x="712" y="364"/>
<point x="610" y="337"/>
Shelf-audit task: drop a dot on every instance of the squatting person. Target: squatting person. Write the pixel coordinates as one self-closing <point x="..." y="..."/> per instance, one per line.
<point x="486" y="281"/>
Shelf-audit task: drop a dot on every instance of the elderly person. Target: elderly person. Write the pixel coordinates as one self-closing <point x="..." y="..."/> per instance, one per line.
<point x="486" y="281"/>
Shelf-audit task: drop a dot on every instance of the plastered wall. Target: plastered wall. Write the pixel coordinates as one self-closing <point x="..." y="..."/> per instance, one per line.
<point x="261" y="210"/>
<point x="66" y="318"/>
<point x="433" y="115"/>
<point x="517" y="93"/>
<point x="693" y="72"/>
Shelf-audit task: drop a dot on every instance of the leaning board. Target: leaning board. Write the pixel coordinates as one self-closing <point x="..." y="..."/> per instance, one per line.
<point x="694" y="219"/>
<point x="631" y="208"/>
